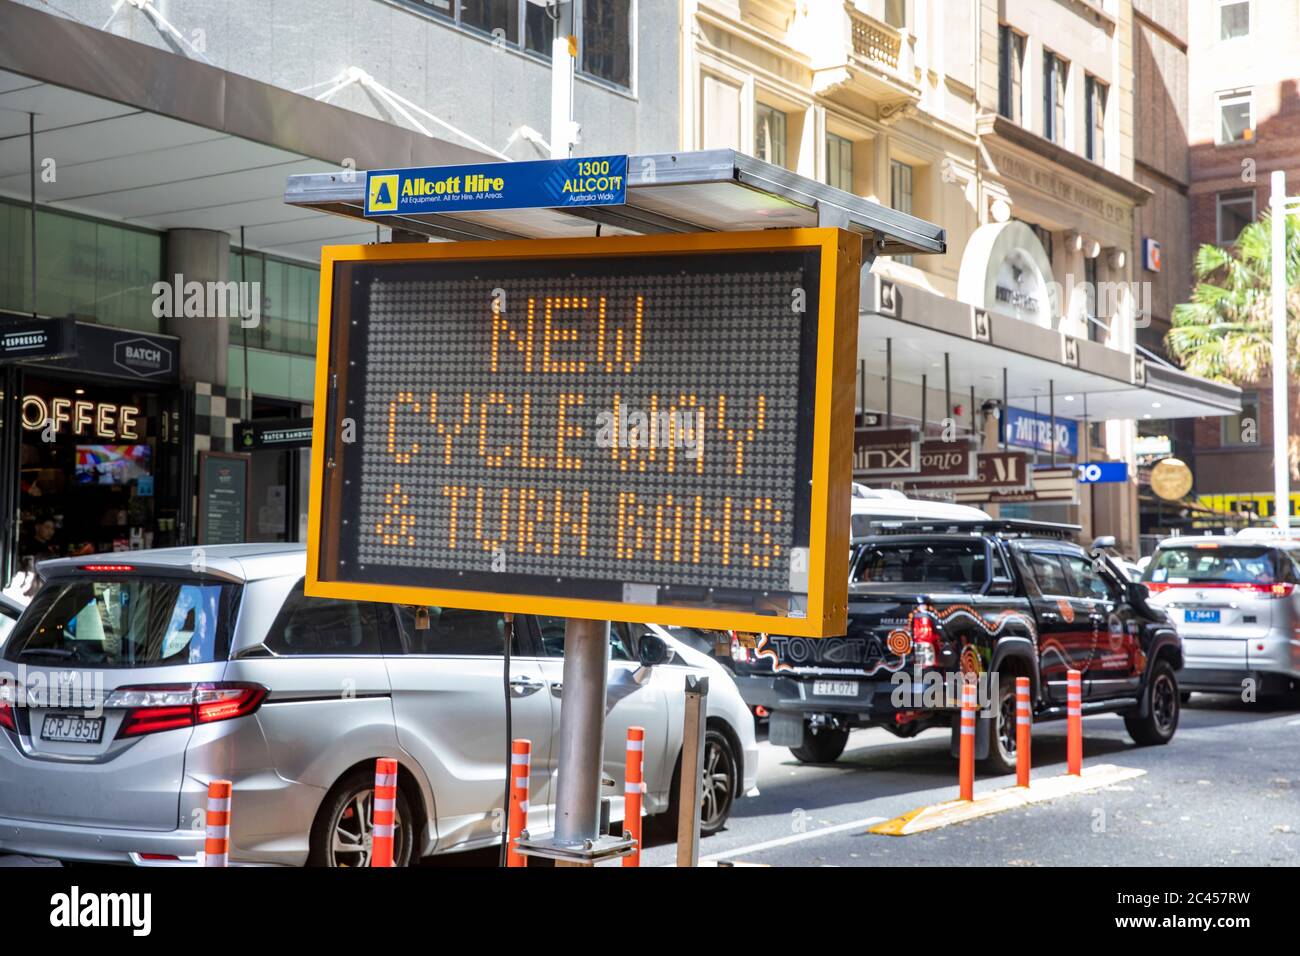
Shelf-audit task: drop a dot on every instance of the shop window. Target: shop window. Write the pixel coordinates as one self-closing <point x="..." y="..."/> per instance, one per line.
<point x="1011" y="65"/>
<point x="1056" y="73"/>
<point x="1233" y="212"/>
<point x="1243" y="429"/>
<point x="839" y="162"/>
<point x="901" y="177"/>
<point x="769" y="134"/>
<point x="1236" y="116"/>
<point x="1095" y="103"/>
<point x="1234" y="19"/>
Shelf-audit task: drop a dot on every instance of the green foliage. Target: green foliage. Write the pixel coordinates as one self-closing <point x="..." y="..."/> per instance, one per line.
<point x="1225" y="331"/>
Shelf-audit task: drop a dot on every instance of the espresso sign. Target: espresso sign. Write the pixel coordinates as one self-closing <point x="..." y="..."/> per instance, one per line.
<point x="630" y="428"/>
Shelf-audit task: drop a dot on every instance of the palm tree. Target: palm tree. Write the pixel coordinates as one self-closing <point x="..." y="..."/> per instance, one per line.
<point x="1225" y="332"/>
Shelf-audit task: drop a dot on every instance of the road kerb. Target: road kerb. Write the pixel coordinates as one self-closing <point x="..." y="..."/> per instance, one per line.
<point x="1008" y="798"/>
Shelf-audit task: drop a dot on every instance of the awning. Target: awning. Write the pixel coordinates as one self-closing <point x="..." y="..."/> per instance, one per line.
<point x="151" y="138"/>
<point x="710" y="190"/>
<point x="1101" y="384"/>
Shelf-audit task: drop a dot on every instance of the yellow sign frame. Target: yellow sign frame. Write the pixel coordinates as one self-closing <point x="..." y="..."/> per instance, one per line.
<point x="832" y="448"/>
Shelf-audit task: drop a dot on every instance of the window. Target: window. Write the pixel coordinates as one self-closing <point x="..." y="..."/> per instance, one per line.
<point x="604" y="29"/>
<point x="498" y="17"/>
<point x="125" y="622"/>
<point x="1011" y="65"/>
<point x="552" y="634"/>
<point x="1210" y="563"/>
<point x="1098" y="324"/>
<point x="324" y="627"/>
<point x="1095" y="101"/>
<point x="839" y="162"/>
<point x="956" y="566"/>
<point x="1048" y="573"/>
<point x="455" y="632"/>
<point x="1084" y="581"/>
<point x="1233" y="212"/>
<point x="900" y="194"/>
<point x="1056" y="72"/>
<point x="1234" y="19"/>
<point x="896" y="13"/>
<point x="1236" y="116"/>
<point x="1243" y="429"/>
<point x="769" y="134"/>
<point x="84" y="266"/>
<point x="606" y="40"/>
<point x="289" y="293"/>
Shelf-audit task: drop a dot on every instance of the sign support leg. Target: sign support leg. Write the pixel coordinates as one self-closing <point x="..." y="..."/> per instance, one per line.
<point x="691" y="795"/>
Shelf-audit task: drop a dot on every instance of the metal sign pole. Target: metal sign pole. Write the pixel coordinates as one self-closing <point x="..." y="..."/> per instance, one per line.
<point x="1281" y="369"/>
<point x="577" y="840"/>
<point x="582" y="731"/>
<point x="691" y="793"/>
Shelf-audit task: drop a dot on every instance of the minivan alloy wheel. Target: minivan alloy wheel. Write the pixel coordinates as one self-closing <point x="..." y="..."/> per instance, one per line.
<point x="353" y="832"/>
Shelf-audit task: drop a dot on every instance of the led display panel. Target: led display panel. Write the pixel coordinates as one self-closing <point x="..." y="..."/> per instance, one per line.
<point x="652" y="429"/>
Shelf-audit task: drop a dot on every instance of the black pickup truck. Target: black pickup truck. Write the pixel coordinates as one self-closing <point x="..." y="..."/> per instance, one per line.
<point x="932" y="604"/>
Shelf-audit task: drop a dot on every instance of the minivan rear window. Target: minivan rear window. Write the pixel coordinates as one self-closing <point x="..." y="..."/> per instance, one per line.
<point x="1213" y="564"/>
<point x="126" y="622"/>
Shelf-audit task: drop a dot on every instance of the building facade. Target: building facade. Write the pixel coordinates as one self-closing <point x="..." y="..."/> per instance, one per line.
<point x="1245" y="95"/>
<point x="163" y="136"/>
<point x="1012" y="125"/>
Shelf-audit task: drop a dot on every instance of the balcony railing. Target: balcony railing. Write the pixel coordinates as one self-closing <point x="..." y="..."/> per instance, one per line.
<point x="875" y="42"/>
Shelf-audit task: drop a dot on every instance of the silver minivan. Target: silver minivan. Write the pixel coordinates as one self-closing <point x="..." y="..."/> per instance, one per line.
<point x="1236" y="603"/>
<point x="128" y="685"/>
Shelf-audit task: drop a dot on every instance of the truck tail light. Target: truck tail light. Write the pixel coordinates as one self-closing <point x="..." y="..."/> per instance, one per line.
<point x="925" y="639"/>
<point x="739" y="652"/>
<point x="155" y="708"/>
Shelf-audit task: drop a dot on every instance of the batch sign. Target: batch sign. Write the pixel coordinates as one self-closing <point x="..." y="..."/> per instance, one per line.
<point x="629" y="428"/>
<point x="544" y="183"/>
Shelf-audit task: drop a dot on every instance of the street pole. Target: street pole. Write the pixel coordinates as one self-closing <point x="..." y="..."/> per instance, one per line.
<point x="582" y="732"/>
<point x="563" y="50"/>
<point x="1281" y="414"/>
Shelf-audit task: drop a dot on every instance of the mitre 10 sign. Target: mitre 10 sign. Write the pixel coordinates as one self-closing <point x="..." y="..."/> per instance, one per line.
<point x="653" y="429"/>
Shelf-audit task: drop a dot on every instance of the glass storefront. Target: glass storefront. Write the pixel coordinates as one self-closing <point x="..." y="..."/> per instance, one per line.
<point x="99" y="467"/>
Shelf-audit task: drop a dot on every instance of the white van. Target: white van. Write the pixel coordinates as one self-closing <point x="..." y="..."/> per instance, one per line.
<point x="871" y="506"/>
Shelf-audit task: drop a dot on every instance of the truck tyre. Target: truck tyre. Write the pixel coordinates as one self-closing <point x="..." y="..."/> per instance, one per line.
<point x="1163" y="706"/>
<point x="823" y="745"/>
<point x="1002" y="729"/>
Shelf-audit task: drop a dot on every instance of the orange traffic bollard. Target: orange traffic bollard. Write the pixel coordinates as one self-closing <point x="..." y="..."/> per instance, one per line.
<point x="1074" y="723"/>
<point x="382" y="810"/>
<point x="216" y="847"/>
<point x="1024" y="722"/>
<point x="966" y="771"/>
<point x="632" y="791"/>
<point x="521" y="764"/>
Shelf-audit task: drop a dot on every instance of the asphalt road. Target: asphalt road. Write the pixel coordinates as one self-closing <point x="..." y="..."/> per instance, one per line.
<point x="1225" y="791"/>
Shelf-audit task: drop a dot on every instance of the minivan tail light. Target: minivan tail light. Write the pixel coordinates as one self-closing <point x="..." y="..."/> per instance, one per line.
<point x="8" y="694"/>
<point x="155" y="708"/>
<point x="107" y="568"/>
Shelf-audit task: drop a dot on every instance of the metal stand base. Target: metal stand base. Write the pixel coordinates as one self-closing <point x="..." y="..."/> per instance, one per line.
<point x="604" y="847"/>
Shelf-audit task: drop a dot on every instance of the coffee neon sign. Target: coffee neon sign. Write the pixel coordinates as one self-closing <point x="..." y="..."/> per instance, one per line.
<point x="80" y="417"/>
